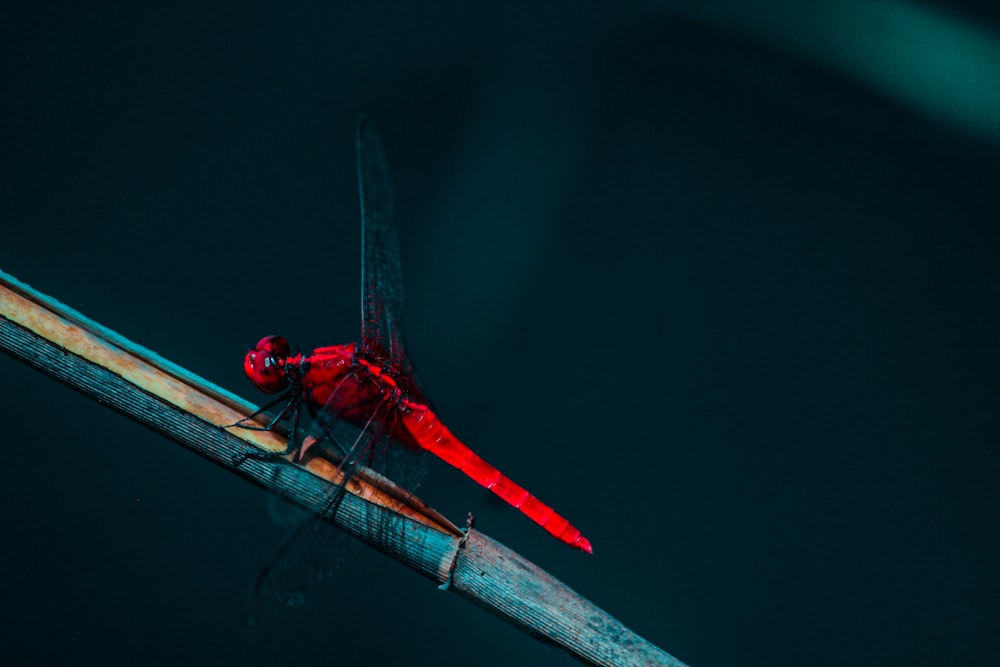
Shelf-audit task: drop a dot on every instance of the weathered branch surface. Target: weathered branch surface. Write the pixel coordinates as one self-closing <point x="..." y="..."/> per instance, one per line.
<point x="98" y="362"/>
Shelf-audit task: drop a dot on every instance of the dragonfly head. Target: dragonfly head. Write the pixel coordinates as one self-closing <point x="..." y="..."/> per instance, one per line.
<point x="265" y="364"/>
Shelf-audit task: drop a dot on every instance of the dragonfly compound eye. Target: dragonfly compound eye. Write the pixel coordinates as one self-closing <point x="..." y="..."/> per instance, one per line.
<point x="264" y="365"/>
<point x="274" y="345"/>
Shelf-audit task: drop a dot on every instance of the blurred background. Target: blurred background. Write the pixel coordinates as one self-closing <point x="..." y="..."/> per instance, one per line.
<point x="717" y="280"/>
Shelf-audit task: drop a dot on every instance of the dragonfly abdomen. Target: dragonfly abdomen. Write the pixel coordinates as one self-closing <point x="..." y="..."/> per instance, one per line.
<point x="429" y="433"/>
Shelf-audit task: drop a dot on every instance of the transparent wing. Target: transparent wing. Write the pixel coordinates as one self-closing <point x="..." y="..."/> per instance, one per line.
<point x="381" y="268"/>
<point x="310" y="553"/>
<point x="313" y="550"/>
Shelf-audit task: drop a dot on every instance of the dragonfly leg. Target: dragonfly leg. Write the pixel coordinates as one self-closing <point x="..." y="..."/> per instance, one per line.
<point x="286" y="397"/>
<point x="261" y="455"/>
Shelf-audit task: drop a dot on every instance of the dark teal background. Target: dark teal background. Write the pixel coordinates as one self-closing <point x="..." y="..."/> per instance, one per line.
<point x="731" y="310"/>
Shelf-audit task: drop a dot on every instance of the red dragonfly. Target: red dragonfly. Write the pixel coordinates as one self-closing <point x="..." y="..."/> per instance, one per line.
<point x="372" y="385"/>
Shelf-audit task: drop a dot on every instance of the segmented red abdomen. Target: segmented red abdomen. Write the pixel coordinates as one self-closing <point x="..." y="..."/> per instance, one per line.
<point x="431" y="434"/>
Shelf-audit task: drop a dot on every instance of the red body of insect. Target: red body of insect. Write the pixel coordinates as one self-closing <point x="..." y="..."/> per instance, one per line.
<point x="337" y="378"/>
